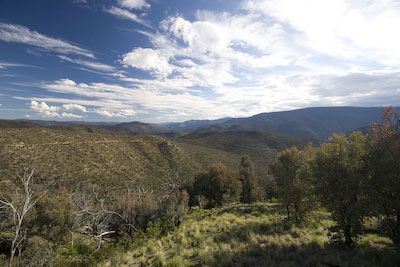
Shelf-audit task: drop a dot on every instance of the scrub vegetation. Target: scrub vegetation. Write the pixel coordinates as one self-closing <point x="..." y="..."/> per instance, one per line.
<point x="82" y="197"/>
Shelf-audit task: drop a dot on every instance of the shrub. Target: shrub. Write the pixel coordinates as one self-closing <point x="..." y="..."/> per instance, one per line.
<point x="220" y="184"/>
<point x="339" y="169"/>
<point x="384" y="169"/>
<point x="38" y="252"/>
<point x="293" y="180"/>
<point x="53" y="216"/>
<point x="251" y="190"/>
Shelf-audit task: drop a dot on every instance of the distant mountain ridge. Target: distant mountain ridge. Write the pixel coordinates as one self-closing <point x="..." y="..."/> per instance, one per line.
<point x="192" y="125"/>
<point x="315" y="123"/>
<point x="310" y="123"/>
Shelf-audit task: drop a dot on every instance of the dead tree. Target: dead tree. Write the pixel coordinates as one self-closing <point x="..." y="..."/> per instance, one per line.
<point x="94" y="217"/>
<point x="18" y="205"/>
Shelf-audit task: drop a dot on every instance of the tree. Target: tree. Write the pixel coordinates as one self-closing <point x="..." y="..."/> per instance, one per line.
<point x="52" y="216"/>
<point x="290" y="170"/>
<point x="251" y="190"/>
<point x="384" y="167"/>
<point x="220" y="184"/>
<point x="339" y="171"/>
<point x="18" y="204"/>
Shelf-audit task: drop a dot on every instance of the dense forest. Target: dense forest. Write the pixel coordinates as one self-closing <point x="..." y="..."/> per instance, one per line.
<point x="150" y="201"/>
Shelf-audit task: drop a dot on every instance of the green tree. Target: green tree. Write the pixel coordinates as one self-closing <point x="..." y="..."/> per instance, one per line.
<point x="251" y="190"/>
<point x="220" y="184"/>
<point x="53" y="216"/>
<point x="293" y="181"/>
<point x="384" y="166"/>
<point x="339" y="171"/>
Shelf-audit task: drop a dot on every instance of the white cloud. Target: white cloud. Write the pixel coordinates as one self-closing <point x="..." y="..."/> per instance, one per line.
<point x="44" y="110"/>
<point x="340" y="28"/>
<point x="90" y="64"/>
<point x="66" y="115"/>
<point x="21" y="34"/>
<point x="123" y="113"/>
<point x="125" y="14"/>
<point x="148" y="59"/>
<point x="75" y="107"/>
<point x="134" y="4"/>
<point x="212" y="51"/>
<point x="277" y="54"/>
<point x="4" y="65"/>
<point x="119" y="101"/>
<point x="79" y="1"/>
<point x="270" y="93"/>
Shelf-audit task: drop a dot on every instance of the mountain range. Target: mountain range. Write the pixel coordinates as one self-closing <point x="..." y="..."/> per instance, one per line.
<point x="200" y="142"/>
<point x="309" y="123"/>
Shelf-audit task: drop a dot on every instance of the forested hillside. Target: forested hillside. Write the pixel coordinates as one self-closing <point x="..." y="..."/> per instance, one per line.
<point x="81" y="156"/>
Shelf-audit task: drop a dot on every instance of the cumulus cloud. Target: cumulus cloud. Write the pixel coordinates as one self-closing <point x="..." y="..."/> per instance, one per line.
<point x="115" y="114"/>
<point x="275" y="55"/>
<point x="75" y="107"/>
<point x="340" y="28"/>
<point x="134" y="4"/>
<point x="21" y="34"/>
<point x="44" y="110"/>
<point x="214" y="50"/>
<point x="148" y="59"/>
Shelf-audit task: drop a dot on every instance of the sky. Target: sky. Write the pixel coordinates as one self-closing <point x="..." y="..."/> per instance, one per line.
<point x="175" y="60"/>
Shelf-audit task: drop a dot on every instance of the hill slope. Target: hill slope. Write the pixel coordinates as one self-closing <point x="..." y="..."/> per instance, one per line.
<point x="75" y="157"/>
<point x="260" y="146"/>
<point x="253" y="235"/>
<point x="193" y="125"/>
<point x="317" y="123"/>
<point x="139" y="128"/>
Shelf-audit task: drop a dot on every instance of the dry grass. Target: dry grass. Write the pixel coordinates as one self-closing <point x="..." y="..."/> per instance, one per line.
<point x="255" y="235"/>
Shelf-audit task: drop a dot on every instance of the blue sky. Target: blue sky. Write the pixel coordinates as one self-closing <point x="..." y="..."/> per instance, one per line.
<point x="158" y="61"/>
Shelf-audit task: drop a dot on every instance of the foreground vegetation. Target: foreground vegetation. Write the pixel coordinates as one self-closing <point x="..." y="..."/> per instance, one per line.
<point x="338" y="203"/>
<point x="255" y="235"/>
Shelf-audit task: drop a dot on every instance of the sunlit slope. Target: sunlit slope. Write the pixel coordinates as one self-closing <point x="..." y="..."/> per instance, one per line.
<point x="260" y="146"/>
<point x="76" y="157"/>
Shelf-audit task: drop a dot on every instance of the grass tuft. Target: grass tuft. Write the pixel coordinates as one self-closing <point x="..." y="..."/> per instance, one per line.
<point x="257" y="235"/>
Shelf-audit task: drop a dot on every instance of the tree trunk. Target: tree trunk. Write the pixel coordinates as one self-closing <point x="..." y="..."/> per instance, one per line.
<point x="347" y="233"/>
<point x="288" y="212"/>
<point x="396" y="231"/>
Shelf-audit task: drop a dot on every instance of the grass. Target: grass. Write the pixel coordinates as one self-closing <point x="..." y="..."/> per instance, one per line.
<point x="254" y="235"/>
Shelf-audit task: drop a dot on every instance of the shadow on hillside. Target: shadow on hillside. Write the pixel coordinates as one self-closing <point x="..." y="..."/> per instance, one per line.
<point x="290" y="249"/>
<point x="252" y="209"/>
<point x="244" y="233"/>
<point x="310" y="254"/>
<point x="241" y="210"/>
